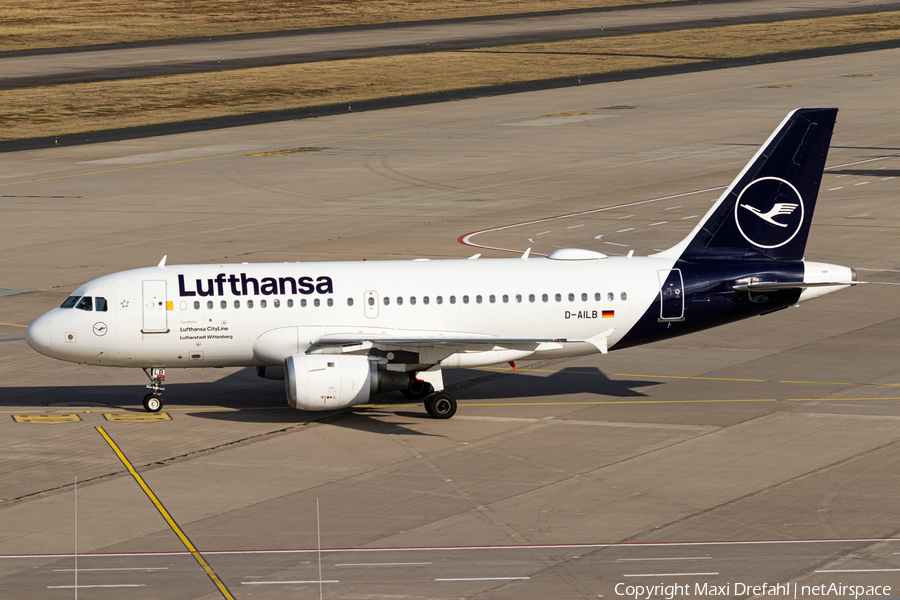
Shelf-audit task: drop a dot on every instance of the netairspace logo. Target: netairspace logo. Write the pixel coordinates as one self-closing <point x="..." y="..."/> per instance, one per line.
<point x="785" y="590"/>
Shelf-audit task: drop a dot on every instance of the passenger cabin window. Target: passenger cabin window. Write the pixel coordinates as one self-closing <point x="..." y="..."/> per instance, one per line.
<point x="85" y="304"/>
<point x="624" y="296"/>
<point x="465" y="299"/>
<point x="399" y="300"/>
<point x="262" y="303"/>
<point x="101" y="304"/>
<point x="505" y="298"/>
<point x="224" y="304"/>
<point x="425" y="300"/>
<point x="237" y="303"/>
<point x="584" y="297"/>
<point x="315" y="302"/>
<point x="196" y="305"/>
<point x="331" y="302"/>
<point x="571" y="297"/>
<point x="597" y="296"/>
<point x="545" y="297"/>
<point x="290" y="303"/>
<point x="610" y="296"/>
<point x="478" y="299"/>
<point x="70" y="302"/>
<point x="452" y="299"/>
<point x="350" y="301"/>
<point x="249" y="303"/>
<point x="302" y="302"/>
<point x="209" y="304"/>
<point x="387" y="301"/>
<point x="518" y="297"/>
<point x="531" y="297"/>
<point x="559" y="297"/>
<point x="492" y="298"/>
<point x="412" y="299"/>
<point x="276" y="303"/>
<point x="439" y="299"/>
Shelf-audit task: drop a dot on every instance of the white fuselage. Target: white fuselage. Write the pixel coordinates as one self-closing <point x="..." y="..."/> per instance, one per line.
<point x="156" y="318"/>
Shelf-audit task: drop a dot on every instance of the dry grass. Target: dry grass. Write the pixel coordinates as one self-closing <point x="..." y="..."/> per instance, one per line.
<point x="56" y="23"/>
<point x="75" y="108"/>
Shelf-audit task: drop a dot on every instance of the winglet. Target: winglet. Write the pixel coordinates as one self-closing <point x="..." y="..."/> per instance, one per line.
<point x="601" y="340"/>
<point x="525" y="256"/>
<point x="475" y="257"/>
<point x="162" y="263"/>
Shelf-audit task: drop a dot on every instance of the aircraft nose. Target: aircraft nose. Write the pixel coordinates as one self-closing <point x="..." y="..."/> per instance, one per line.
<point x="40" y="333"/>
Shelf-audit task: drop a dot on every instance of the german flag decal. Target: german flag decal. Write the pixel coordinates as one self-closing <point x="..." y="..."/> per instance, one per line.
<point x="609" y="314"/>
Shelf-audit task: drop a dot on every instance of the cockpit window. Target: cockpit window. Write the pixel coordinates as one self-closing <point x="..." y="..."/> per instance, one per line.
<point x="70" y="302"/>
<point x="101" y="304"/>
<point x="85" y="303"/>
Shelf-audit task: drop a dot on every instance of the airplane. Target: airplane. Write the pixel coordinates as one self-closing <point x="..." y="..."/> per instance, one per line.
<point x="340" y="333"/>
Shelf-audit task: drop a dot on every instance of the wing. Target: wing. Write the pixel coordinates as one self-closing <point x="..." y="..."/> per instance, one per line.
<point x="447" y="342"/>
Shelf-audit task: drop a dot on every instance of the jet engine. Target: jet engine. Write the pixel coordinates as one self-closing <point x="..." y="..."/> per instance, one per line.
<point x="329" y="381"/>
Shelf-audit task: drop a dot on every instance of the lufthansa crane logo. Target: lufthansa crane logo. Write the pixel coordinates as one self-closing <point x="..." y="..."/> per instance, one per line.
<point x="769" y="212"/>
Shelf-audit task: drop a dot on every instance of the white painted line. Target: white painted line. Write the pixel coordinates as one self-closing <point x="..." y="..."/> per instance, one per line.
<point x="380" y="564"/>
<point x="860" y="571"/>
<point x="668" y="574"/>
<point x="863" y="183"/>
<point x="531" y="240"/>
<point x="615" y="244"/>
<point x="672" y="558"/>
<point x="626" y="217"/>
<point x="839" y="176"/>
<point x="887" y="178"/>
<point x="70" y="587"/>
<point x="483" y="579"/>
<point x="837" y="188"/>
<point x="287" y="582"/>
<point x="542" y="233"/>
<point x="660" y="223"/>
<point x="624" y="230"/>
<point x="115" y="569"/>
<point x="461" y="548"/>
<point x="690" y="217"/>
<point x="672" y="208"/>
<point x="574" y="226"/>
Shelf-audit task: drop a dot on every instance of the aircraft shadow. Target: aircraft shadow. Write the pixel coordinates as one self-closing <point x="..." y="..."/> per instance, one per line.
<point x="244" y="397"/>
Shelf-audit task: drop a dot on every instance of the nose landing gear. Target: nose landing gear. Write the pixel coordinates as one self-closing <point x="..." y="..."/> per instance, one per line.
<point x="153" y="401"/>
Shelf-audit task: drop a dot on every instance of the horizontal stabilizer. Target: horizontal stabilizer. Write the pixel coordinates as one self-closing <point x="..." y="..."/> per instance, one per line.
<point x="787" y="285"/>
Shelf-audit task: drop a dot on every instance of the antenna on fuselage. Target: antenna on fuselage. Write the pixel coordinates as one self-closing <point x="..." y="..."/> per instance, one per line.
<point x="162" y="263"/>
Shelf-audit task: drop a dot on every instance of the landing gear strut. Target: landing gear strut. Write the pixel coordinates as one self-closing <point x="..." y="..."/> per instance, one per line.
<point x="153" y="401"/>
<point x="441" y="405"/>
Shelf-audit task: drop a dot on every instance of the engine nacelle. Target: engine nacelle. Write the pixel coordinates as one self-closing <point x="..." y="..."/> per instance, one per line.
<point x="331" y="381"/>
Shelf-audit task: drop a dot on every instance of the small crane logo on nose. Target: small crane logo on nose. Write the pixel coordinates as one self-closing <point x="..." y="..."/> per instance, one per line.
<point x="100" y="329"/>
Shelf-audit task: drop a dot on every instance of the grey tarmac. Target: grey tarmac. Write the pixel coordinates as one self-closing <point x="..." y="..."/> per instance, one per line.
<point x="761" y="452"/>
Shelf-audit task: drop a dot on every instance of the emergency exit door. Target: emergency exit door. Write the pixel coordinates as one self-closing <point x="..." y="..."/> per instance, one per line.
<point x="370" y="300"/>
<point x="671" y="295"/>
<point x="155" y="307"/>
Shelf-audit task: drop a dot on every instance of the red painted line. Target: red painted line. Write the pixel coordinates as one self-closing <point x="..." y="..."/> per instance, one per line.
<point x="454" y="548"/>
<point x="465" y="239"/>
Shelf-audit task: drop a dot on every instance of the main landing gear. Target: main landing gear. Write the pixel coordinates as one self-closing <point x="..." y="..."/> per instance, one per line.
<point x="153" y="401"/>
<point x="441" y="405"/>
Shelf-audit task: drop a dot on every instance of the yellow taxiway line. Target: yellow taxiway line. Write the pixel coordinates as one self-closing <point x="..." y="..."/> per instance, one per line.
<point x="165" y="515"/>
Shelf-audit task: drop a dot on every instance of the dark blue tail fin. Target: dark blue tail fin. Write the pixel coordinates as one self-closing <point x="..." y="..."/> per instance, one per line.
<point x="766" y="211"/>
